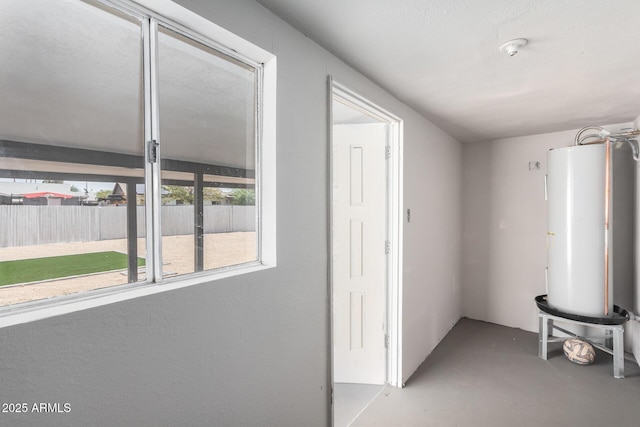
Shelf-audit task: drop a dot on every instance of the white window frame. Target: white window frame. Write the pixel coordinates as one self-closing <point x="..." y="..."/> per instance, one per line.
<point x="185" y="22"/>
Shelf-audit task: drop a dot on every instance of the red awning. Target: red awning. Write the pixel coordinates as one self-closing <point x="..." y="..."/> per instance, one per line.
<point x="47" y="194"/>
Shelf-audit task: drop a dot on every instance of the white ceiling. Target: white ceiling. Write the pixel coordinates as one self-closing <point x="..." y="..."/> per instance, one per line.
<point x="581" y="67"/>
<point x="346" y="114"/>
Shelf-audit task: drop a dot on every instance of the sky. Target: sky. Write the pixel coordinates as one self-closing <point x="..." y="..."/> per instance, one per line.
<point x="81" y="185"/>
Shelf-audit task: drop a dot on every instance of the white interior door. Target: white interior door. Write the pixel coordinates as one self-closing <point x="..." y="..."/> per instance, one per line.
<point x="359" y="256"/>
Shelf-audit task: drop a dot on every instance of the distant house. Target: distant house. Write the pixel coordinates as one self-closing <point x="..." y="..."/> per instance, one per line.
<point x="39" y="194"/>
<point x="118" y="195"/>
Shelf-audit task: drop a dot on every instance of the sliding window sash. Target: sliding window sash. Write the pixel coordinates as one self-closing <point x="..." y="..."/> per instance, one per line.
<point x="152" y="150"/>
<point x="153" y="160"/>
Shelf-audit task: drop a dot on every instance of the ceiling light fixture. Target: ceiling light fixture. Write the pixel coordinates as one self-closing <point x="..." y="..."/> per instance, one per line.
<point x="512" y="46"/>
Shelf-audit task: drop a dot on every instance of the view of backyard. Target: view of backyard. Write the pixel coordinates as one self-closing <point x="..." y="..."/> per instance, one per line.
<point x="75" y="199"/>
<point x="223" y="249"/>
<point x="47" y="268"/>
<point x="50" y="249"/>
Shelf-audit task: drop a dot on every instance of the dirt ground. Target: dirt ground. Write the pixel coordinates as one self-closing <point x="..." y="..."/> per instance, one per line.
<point x="220" y="249"/>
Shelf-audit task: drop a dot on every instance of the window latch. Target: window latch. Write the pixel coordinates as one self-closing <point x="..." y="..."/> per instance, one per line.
<point x="152" y="151"/>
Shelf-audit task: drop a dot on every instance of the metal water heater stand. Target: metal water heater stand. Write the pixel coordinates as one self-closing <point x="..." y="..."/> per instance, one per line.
<point x="612" y="326"/>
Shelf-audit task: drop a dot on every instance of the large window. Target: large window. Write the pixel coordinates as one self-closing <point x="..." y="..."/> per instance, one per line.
<point x="128" y="150"/>
<point x="208" y="135"/>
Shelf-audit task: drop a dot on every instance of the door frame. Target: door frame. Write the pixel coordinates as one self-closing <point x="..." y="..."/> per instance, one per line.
<point x="337" y="90"/>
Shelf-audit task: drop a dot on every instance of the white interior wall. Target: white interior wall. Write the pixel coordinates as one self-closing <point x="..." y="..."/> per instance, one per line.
<point x="432" y="294"/>
<point x="504" y="227"/>
<point x="253" y="349"/>
<point x="634" y="326"/>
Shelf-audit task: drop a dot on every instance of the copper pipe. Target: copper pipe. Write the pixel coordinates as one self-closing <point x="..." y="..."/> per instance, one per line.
<point x="607" y="191"/>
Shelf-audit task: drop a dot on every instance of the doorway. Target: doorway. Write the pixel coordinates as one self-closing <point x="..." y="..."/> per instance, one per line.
<point x="365" y="251"/>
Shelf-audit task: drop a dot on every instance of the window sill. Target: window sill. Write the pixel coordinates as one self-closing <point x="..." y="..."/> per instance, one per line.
<point x="58" y="306"/>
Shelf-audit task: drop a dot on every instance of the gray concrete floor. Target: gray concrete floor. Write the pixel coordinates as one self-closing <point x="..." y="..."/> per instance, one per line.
<point x="483" y="374"/>
<point x="350" y="399"/>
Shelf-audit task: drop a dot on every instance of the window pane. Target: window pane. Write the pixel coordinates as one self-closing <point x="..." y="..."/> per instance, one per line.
<point x="71" y="165"/>
<point x="208" y="144"/>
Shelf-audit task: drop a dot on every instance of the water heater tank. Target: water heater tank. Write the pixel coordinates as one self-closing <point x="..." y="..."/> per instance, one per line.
<point x="576" y="231"/>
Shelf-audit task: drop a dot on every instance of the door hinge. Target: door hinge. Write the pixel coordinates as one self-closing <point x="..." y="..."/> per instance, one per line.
<point x="152" y="147"/>
<point x="387" y="247"/>
<point x="387" y="152"/>
<point x="386" y="341"/>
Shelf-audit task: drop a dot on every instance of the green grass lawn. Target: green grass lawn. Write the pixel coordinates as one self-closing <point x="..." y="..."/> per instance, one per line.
<point x="38" y="269"/>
